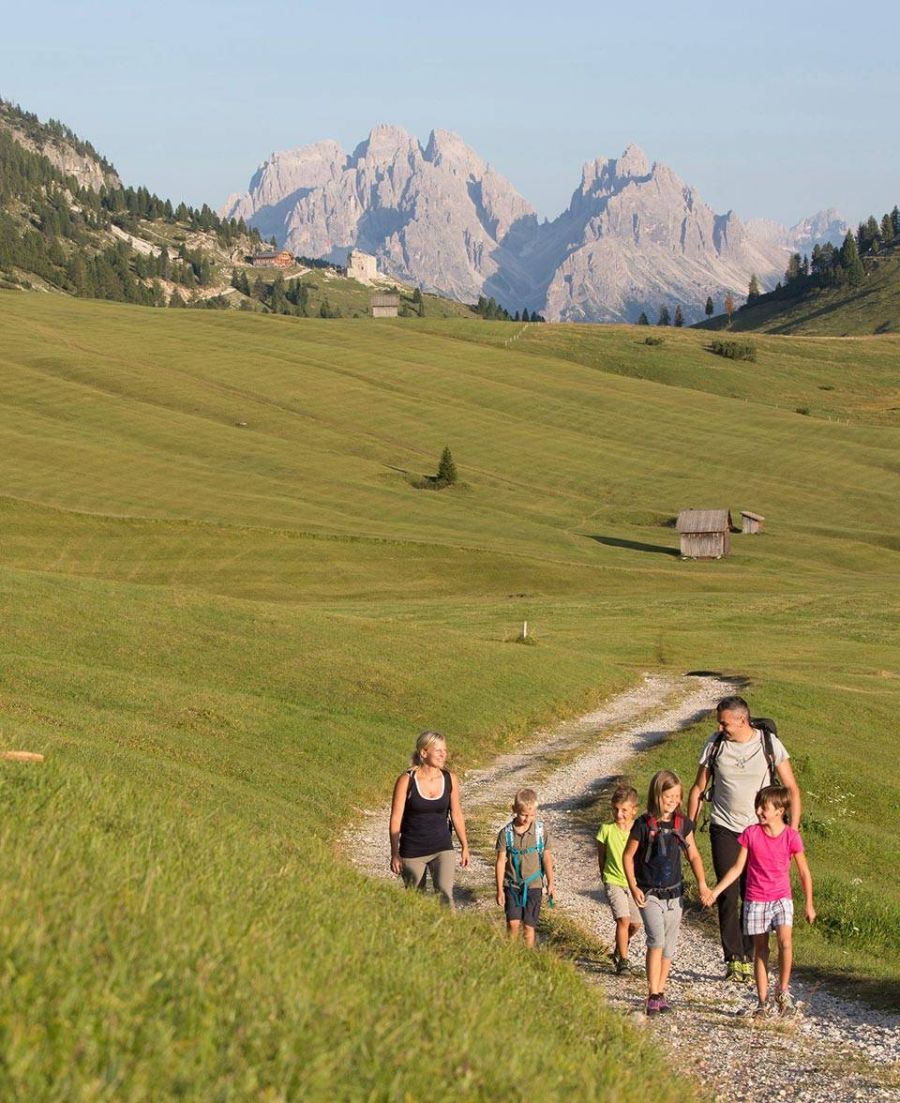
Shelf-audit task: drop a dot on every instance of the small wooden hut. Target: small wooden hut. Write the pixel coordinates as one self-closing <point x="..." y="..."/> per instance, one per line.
<point x="385" y="304"/>
<point x="705" y="533"/>
<point x="751" y="522"/>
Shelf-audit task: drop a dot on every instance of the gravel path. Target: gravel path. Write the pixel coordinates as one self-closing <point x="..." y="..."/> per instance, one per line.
<point x="836" y="1050"/>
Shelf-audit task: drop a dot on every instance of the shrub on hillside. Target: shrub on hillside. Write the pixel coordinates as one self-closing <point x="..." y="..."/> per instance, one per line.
<point x="654" y="340"/>
<point x="734" y="350"/>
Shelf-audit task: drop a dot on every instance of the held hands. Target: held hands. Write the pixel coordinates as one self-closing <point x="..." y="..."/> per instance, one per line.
<point x="707" y="896"/>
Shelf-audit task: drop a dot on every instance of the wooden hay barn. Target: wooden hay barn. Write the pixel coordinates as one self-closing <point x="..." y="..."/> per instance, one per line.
<point x="705" y="533"/>
<point x="385" y="304"/>
<point x="751" y="522"/>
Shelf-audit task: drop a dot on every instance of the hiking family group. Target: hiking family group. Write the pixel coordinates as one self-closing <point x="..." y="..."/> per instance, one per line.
<point x="744" y="773"/>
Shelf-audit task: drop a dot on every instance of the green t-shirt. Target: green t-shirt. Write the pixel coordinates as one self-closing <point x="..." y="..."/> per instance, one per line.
<point x="614" y="839"/>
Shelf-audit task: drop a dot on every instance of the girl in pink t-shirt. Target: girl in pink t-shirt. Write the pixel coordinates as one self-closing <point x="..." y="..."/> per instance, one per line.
<point x="766" y="851"/>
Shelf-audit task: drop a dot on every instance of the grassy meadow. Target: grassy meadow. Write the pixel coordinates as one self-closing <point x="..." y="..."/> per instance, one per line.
<point x="228" y="612"/>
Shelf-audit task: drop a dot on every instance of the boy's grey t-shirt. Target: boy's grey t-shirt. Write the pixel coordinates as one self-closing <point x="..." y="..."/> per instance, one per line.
<point x="530" y="863"/>
<point x="740" y="772"/>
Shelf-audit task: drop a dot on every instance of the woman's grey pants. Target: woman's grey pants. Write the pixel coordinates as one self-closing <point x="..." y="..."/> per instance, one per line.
<point x="442" y="867"/>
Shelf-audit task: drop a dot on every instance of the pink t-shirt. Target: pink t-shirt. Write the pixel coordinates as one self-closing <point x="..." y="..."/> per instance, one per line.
<point x="769" y="861"/>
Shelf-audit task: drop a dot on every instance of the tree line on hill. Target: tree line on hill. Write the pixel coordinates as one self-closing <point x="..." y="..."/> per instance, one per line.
<point x="57" y="230"/>
<point x="664" y="317"/>
<point x="492" y="311"/>
<point x="830" y="266"/>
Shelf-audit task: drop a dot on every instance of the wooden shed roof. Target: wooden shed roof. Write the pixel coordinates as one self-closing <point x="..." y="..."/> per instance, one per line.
<point x="703" y="520"/>
<point x="752" y="516"/>
<point x="385" y="298"/>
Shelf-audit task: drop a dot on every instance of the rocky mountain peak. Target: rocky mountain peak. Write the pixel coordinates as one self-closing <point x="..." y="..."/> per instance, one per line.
<point x="384" y="143"/>
<point x="632" y="163"/>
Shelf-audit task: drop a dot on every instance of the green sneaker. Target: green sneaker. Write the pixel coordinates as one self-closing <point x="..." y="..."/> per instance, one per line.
<point x="745" y="969"/>
<point x="732" y="972"/>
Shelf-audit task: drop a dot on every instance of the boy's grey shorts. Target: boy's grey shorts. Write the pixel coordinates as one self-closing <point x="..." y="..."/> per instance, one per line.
<point x="622" y="903"/>
<point x="662" y="918"/>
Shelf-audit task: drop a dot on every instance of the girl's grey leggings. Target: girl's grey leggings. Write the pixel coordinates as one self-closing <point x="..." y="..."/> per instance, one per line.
<point x="442" y="866"/>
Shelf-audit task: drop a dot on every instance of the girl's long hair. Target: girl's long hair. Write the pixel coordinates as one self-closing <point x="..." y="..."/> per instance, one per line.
<point x="659" y="783"/>
<point x="426" y="739"/>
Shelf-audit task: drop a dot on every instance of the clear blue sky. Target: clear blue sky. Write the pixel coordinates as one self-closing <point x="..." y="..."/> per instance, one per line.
<point x="772" y="109"/>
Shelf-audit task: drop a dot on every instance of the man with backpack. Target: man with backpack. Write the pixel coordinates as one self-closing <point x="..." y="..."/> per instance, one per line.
<point x="740" y="758"/>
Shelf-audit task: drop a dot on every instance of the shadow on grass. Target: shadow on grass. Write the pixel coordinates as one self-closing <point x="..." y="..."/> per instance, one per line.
<point x="633" y="545"/>
<point x="880" y="993"/>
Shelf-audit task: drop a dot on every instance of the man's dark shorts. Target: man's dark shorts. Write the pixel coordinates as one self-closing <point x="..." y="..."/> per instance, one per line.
<point x="529" y="914"/>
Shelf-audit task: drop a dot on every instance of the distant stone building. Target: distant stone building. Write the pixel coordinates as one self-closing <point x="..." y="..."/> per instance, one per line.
<point x="280" y="259"/>
<point x="704" y="533"/>
<point x="361" y="266"/>
<point x="385" y="304"/>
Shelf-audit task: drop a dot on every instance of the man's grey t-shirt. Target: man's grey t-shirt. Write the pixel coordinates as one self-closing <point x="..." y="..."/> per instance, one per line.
<point x="740" y="772"/>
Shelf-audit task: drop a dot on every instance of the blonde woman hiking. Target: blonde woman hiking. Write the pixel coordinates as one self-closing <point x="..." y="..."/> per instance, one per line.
<point x="424" y="812"/>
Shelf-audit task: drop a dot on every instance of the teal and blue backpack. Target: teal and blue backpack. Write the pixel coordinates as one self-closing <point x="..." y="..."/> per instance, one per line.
<point x="518" y="889"/>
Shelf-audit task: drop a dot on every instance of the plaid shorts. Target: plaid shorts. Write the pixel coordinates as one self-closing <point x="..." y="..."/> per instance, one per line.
<point x="762" y="916"/>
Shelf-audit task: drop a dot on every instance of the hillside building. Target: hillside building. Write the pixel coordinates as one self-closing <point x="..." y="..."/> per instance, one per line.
<point x="277" y="259"/>
<point x="704" y="533"/>
<point x="751" y="522"/>
<point x="361" y="266"/>
<point x="385" y="304"/>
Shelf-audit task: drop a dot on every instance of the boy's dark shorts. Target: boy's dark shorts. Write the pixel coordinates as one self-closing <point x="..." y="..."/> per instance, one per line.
<point x="529" y="914"/>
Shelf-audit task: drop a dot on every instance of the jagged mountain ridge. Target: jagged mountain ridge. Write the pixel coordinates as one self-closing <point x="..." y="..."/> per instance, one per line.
<point x="633" y="238"/>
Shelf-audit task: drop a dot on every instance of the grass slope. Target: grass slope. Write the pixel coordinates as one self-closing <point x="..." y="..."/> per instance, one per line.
<point x="871" y="308"/>
<point x="227" y="614"/>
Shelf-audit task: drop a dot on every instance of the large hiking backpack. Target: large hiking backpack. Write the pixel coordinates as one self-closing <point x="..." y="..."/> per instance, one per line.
<point x="768" y="729"/>
<point x="657" y="848"/>
<point x="518" y="888"/>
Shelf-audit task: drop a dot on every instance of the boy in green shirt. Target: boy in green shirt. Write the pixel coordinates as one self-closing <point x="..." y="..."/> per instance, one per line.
<point x="611" y="840"/>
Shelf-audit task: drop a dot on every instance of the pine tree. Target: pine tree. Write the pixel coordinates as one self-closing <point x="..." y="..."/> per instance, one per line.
<point x="447" y="473"/>
<point x="850" y="262"/>
<point x="887" y="228"/>
<point x="643" y="320"/>
<point x="679" y="317"/>
<point x="753" y="291"/>
<point x="710" y="309"/>
<point x="664" y="318"/>
<point x="895" y="220"/>
<point x="729" y="306"/>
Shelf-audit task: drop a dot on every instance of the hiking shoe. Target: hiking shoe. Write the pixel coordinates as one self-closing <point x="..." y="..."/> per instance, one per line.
<point x="664" y="1004"/>
<point x="733" y="973"/>
<point x="653" y="1005"/>
<point x="624" y="968"/>
<point x="745" y="968"/>
<point x="787" y="1005"/>
<point x="762" y="1011"/>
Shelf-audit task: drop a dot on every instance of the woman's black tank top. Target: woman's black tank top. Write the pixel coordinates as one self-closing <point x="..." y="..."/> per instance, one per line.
<point x="425" y="827"/>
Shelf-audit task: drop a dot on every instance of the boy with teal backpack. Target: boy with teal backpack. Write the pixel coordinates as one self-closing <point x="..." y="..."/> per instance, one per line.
<point x="524" y="860"/>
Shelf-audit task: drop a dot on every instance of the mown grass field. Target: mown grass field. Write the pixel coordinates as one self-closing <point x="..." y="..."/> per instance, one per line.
<point x="227" y="613"/>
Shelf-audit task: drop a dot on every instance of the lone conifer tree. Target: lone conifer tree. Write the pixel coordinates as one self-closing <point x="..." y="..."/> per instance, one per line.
<point x="447" y="474"/>
<point x="679" y="317"/>
<point x="710" y="309"/>
<point x="664" y="318"/>
<point x="643" y="320"/>
<point x="850" y="262"/>
<point x="753" y="291"/>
